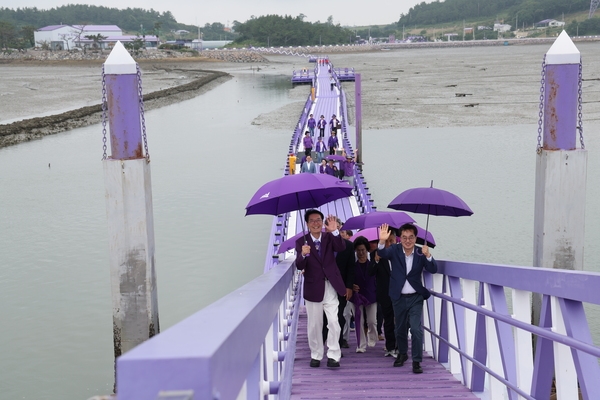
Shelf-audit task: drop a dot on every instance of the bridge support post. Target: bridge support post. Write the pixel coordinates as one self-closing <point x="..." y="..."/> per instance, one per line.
<point x="358" y="116"/>
<point x="129" y="209"/>
<point x="559" y="215"/>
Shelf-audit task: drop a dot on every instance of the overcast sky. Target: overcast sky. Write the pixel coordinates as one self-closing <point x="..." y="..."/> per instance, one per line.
<point x="344" y="12"/>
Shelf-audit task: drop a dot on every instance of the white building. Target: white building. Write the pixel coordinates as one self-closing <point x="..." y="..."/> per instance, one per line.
<point x="501" y="27"/>
<point x="66" y="37"/>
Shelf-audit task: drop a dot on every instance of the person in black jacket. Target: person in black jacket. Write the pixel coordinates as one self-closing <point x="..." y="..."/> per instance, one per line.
<point x="345" y="262"/>
<point x="380" y="267"/>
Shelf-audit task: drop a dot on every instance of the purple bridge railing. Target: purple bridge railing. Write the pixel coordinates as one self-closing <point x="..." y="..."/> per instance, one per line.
<point x="468" y="321"/>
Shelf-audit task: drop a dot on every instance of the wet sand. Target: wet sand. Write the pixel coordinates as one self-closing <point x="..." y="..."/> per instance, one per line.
<point x="437" y="87"/>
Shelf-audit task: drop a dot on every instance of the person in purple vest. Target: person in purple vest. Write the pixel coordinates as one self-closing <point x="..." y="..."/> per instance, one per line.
<point x="322" y="285"/>
<point x="308" y="143"/>
<point x="333" y="124"/>
<point x="323" y="166"/>
<point x="331" y="169"/>
<point x="333" y="143"/>
<point x="311" y="125"/>
<point x="364" y="298"/>
<point x="320" y="149"/>
<point x="406" y="289"/>
<point x="348" y="168"/>
<point x="321" y="125"/>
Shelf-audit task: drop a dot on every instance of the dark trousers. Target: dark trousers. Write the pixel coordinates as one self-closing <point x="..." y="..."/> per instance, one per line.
<point x="409" y="309"/>
<point x="387" y="313"/>
<point x="331" y="151"/>
<point x="341" y="319"/>
<point x="322" y="132"/>
<point x="307" y="151"/>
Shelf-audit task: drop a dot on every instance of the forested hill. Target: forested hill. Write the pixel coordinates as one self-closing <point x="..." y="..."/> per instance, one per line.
<point x="129" y="19"/>
<point x="528" y="11"/>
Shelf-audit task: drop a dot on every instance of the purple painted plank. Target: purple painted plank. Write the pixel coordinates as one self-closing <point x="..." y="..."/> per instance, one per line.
<point x="480" y="345"/>
<point x="370" y="375"/>
<point x="543" y="364"/>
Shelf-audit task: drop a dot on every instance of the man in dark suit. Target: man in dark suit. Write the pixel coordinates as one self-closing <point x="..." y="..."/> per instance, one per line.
<point x="380" y="267"/>
<point x="322" y="284"/>
<point x="345" y="262"/>
<point x="406" y="290"/>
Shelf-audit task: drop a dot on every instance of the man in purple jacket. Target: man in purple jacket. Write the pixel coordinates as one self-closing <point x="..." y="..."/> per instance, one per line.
<point x="348" y="167"/>
<point x="333" y="143"/>
<point x="333" y="123"/>
<point x="315" y="255"/>
<point x="311" y="125"/>
<point x="320" y="149"/>
<point x="321" y="125"/>
<point x="308" y="143"/>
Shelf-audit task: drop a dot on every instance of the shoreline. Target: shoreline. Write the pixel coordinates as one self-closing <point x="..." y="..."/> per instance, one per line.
<point x="38" y="127"/>
<point x="401" y="89"/>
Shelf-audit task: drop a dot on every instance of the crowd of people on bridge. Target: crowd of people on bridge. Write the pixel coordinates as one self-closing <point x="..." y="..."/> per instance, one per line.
<point x="362" y="278"/>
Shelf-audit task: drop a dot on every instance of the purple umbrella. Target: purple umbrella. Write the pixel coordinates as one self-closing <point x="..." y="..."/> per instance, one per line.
<point x="335" y="157"/>
<point x="373" y="234"/>
<point x="296" y="192"/>
<point x="430" y="201"/>
<point x="376" y="218"/>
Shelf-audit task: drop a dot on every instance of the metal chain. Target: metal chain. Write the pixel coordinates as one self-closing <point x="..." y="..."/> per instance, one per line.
<point x="580" y="106"/>
<point x="104" y="108"/>
<point x="541" y="111"/>
<point x="141" y="101"/>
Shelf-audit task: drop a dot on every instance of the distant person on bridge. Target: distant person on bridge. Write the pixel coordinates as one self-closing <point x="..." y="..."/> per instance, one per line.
<point x="311" y="125"/>
<point x="322" y="285"/>
<point x="334" y="122"/>
<point x="308" y="143"/>
<point x="320" y="149"/>
<point x="333" y="143"/>
<point x="309" y="166"/>
<point x="321" y="125"/>
<point x="406" y="289"/>
<point x="292" y="163"/>
<point x="323" y="166"/>
<point x="331" y="169"/>
<point x="331" y="80"/>
<point x="348" y="168"/>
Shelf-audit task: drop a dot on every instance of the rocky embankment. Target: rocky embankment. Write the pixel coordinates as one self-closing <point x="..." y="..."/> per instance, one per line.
<point x="35" y="128"/>
<point x="235" y="56"/>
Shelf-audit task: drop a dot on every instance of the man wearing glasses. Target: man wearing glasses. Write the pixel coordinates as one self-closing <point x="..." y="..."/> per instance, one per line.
<point x="315" y="255"/>
<point x="406" y="289"/>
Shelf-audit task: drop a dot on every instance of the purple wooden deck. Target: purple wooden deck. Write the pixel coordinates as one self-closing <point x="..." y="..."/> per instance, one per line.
<point x="370" y="375"/>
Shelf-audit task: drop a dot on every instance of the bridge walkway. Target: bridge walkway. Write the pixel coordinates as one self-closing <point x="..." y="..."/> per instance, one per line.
<point x="361" y="375"/>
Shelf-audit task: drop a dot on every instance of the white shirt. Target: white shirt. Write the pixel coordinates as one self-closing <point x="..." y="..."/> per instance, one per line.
<point x="407" y="288"/>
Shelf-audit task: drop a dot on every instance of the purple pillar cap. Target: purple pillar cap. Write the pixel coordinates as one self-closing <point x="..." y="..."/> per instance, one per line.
<point x="119" y="61"/>
<point x="563" y="51"/>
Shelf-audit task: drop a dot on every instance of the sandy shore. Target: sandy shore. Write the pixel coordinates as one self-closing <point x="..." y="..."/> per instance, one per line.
<point x="433" y="87"/>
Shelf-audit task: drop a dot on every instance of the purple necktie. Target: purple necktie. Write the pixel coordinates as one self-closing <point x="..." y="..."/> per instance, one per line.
<point x="318" y="247"/>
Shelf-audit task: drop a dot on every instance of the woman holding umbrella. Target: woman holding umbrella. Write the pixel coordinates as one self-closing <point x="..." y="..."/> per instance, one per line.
<point x="364" y="298"/>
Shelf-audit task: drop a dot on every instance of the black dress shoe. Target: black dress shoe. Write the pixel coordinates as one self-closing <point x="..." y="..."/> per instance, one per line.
<point x="344" y="344"/>
<point x="315" y="363"/>
<point x="331" y="363"/>
<point x="417" y="367"/>
<point x="399" y="361"/>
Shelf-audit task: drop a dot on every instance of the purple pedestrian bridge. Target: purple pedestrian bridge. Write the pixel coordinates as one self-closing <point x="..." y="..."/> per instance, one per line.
<point x="478" y="331"/>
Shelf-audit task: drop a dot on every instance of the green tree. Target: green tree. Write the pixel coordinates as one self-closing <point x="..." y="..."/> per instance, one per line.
<point x="8" y="35"/>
